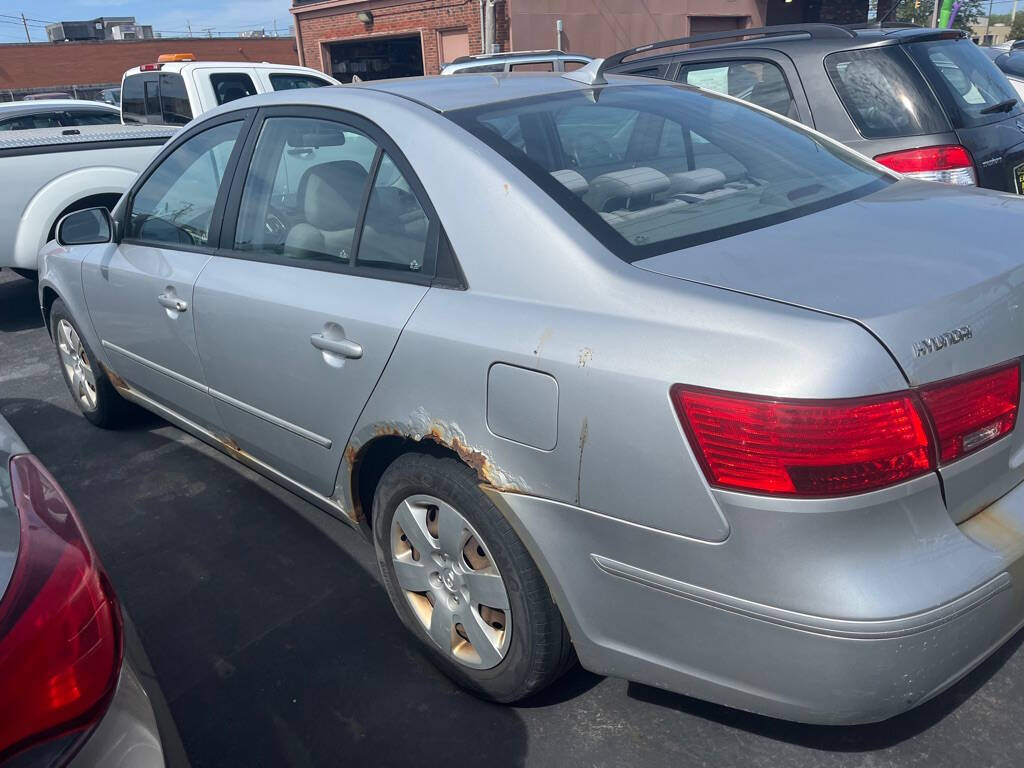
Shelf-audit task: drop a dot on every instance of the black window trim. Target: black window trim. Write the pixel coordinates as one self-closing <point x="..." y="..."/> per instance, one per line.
<point x="280" y="73"/>
<point x="122" y="214"/>
<point x="447" y="274"/>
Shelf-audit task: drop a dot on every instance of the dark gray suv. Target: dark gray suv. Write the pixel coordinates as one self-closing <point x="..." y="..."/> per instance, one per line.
<point x="924" y="102"/>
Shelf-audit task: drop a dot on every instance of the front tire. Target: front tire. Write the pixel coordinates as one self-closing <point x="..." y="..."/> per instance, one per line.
<point x="86" y="379"/>
<point x="462" y="581"/>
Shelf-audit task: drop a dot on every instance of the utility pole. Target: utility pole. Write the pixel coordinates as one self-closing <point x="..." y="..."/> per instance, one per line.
<point x="275" y="27"/>
<point x="1013" y="15"/>
<point x="935" y="14"/>
<point x="25" y="24"/>
<point x="188" y="24"/>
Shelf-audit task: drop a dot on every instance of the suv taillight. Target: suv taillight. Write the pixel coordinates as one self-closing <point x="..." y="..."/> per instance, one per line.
<point x="950" y="164"/>
<point x="60" y="625"/>
<point x="819" y="448"/>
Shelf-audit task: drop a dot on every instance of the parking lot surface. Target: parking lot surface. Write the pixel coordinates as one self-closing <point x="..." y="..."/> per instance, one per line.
<point x="275" y="644"/>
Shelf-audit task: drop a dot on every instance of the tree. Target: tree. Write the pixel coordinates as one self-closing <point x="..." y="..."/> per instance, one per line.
<point x="920" y="12"/>
<point x="1017" y="30"/>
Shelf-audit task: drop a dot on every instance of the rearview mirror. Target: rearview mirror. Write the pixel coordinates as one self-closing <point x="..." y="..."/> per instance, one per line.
<point x="87" y="227"/>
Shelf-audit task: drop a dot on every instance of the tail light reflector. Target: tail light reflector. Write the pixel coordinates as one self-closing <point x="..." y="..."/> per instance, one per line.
<point x="950" y="163"/>
<point x="969" y="412"/>
<point x="60" y="625"/>
<point x="804" y="448"/>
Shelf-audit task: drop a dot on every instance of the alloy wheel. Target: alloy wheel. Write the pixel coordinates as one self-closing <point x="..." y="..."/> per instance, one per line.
<point x="77" y="365"/>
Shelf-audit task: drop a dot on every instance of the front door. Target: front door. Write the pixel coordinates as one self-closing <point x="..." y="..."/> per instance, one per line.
<point x="295" y="325"/>
<point x="139" y="290"/>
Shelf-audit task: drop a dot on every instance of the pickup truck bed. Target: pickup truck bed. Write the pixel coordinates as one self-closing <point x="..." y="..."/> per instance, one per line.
<point x="53" y="171"/>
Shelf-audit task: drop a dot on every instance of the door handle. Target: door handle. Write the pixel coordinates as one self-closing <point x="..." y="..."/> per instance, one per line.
<point x="172" y="302"/>
<point x="342" y="347"/>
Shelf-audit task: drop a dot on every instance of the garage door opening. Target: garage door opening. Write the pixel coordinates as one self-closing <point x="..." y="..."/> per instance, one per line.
<point x="377" y="59"/>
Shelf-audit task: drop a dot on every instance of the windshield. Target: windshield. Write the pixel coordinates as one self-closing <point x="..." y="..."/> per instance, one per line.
<point x="651" y="169"/>
<point x="968" y="83"/>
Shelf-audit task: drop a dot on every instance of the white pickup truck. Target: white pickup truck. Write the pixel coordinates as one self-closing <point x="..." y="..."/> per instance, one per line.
<point x="177" y="88"/>
<point x="50" y="172"/>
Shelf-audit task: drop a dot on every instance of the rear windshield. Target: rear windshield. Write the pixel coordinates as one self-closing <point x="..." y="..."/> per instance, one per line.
<point x="969" y="84"/>
<point x="156" y="99"/>
<point x="651" y="169"/>
<point x="884" y="93"/>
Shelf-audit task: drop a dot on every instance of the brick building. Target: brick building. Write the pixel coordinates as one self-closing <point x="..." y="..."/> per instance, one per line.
<point x="394" y="38"/>
<point x="83" y="69"/>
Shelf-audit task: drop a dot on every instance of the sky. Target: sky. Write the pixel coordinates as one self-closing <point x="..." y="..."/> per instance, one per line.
<point x="167" y="16"/>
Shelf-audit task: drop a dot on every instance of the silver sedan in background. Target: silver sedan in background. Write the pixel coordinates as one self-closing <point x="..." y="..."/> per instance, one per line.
<point x="608" y="369"/>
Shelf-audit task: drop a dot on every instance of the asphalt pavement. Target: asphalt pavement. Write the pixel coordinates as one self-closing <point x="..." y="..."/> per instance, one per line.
<point x="275" y="645"/>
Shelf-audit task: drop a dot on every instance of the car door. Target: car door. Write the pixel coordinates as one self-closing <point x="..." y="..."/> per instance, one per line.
<point x="139" y="290"/>
<point x="332" y="250"/>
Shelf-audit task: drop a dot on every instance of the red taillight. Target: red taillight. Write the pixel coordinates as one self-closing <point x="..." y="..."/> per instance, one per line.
<point x="150" y="67"/>
<point x="949" y="163"/>
<point x="804" y="448"/>
<point x="60" y="626"/>
<point x="970" y="412"/>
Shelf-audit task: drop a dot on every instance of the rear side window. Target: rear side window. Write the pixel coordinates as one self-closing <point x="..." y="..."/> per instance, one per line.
<point x="231" y="86"/>
<point x="534" y="66"/>
<point x="884" y="93"/>
<point x="759" y="82"/>
<point x="482" y="68"/>
<point x="285" y="82"/>
<point x="968" y="83"/>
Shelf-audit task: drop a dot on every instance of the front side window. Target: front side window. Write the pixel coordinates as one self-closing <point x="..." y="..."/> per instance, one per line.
<point x="884" y="93"/>
<point x="654" y="168"/>
<point x="285" y="82"/>
<point x="175" y="204"/>
<point x="230" y="86"/>
<point x="304" y="190"/>
<point x="759" y="82"/>
<point x="971" y="86"/>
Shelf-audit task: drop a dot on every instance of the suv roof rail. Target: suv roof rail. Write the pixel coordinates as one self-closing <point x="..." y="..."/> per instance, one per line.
<point x="814" y="31"/>
<point x="505" y="54"/>
<point x="883" y="25"/>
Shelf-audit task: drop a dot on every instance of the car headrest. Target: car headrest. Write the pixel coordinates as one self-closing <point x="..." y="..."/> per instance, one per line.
<point x="330" y="194"/>
<point x="698" y="181"/>
<point x="625" y="184"/>
<point x="572" y="180"/>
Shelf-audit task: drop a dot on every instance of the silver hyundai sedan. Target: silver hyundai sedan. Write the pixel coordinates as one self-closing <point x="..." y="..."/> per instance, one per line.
<point x="614" y="370"/>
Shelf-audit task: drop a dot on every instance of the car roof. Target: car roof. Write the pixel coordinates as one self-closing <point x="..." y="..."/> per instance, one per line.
<point x="444" y="94"/>
<point x="10" y="108"/>
<point x="180" y="66"/>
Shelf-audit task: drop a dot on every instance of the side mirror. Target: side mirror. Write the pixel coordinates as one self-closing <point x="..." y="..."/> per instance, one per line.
<point x="87" y="227"/>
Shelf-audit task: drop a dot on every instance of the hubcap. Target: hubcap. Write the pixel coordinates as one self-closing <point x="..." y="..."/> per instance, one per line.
<point x="76" y="364"/>
<point x="451" y="581"/>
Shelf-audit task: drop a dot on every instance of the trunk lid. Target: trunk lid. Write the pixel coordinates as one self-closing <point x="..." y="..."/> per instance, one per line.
<point x="933" y="271"/>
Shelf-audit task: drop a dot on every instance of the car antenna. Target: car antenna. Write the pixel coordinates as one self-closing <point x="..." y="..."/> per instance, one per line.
<point x="890" y="12"/>
<point x="591" y="74"/>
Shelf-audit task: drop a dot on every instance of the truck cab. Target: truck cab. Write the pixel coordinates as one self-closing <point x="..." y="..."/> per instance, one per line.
<point x="176" y="88"/>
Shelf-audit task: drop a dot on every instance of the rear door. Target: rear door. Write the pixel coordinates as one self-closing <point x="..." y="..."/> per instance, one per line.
<point x="985" y="110"/>
<point x="332" y="250"/>
<point x="139" y="290"/>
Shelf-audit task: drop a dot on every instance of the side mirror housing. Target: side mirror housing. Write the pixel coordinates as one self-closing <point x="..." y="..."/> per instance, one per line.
<point x="88" y="227"/>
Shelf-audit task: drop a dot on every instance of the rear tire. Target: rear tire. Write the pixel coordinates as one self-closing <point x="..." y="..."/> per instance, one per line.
<point x="85" y="377"/>
<point x="502" y="652"/>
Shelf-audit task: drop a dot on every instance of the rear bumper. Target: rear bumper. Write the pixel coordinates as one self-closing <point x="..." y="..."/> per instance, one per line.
<point x="631" y="615"/>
